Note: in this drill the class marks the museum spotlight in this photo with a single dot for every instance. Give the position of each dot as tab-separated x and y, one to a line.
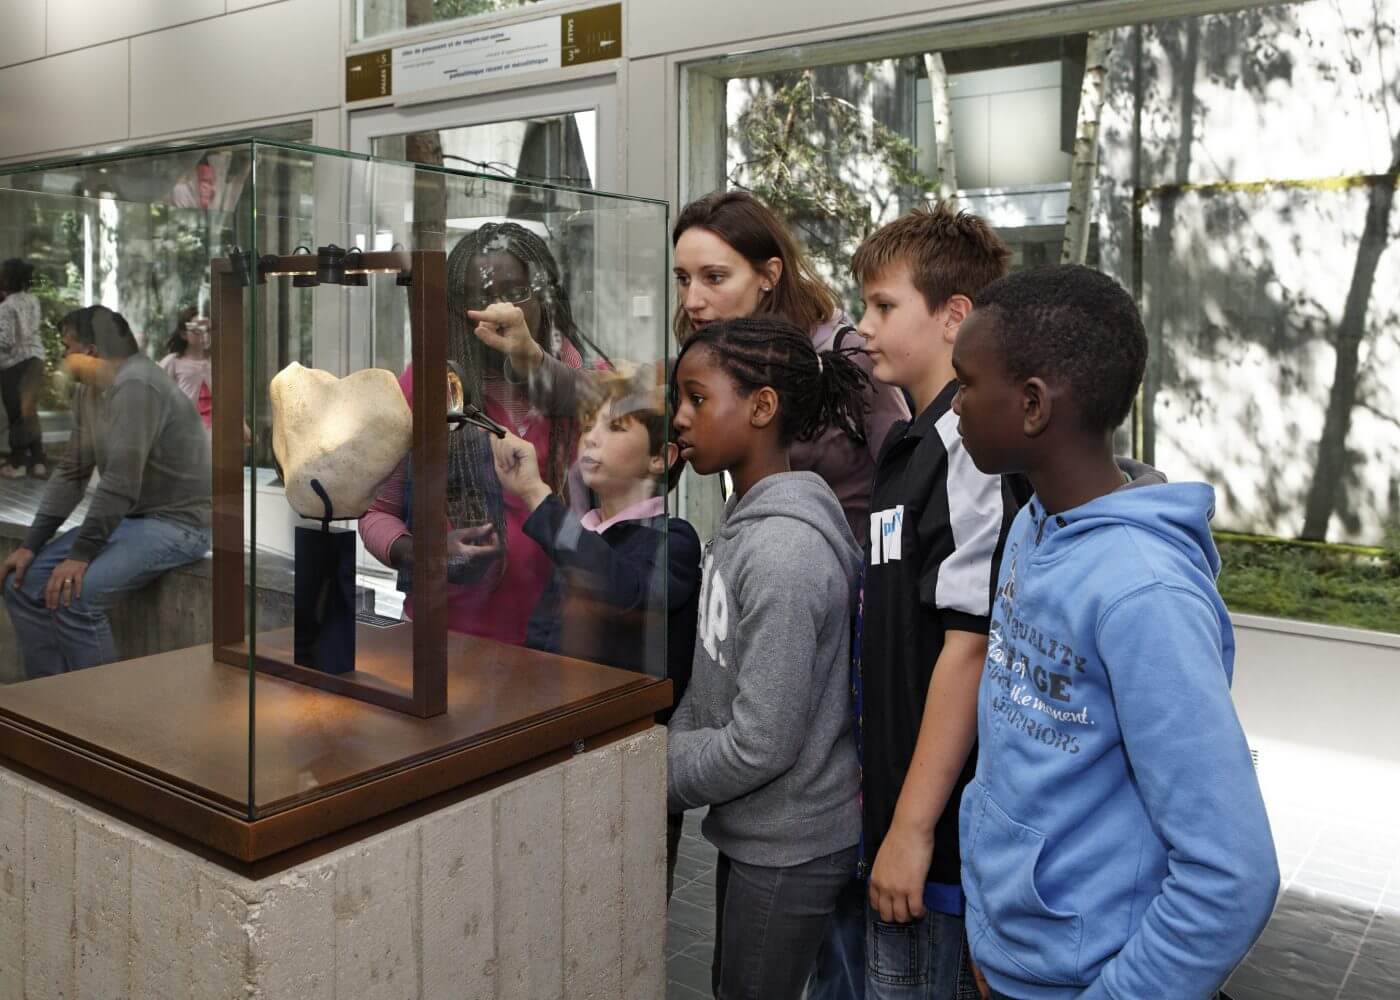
330	264
308	278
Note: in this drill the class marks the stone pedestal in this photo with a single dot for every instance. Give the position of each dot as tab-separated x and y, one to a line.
552	886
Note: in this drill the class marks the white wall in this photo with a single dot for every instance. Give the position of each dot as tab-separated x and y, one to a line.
79	75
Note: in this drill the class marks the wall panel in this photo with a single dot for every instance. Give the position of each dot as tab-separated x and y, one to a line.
23	37
269	61
77	99
76	24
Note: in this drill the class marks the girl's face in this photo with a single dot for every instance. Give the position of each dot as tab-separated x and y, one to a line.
500	277
713	421
614	454
197	333
713	281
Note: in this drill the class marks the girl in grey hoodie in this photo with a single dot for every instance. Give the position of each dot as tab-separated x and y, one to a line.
763	735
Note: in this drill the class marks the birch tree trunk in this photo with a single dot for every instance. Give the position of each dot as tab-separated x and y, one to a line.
1330	471
947	173
1075	249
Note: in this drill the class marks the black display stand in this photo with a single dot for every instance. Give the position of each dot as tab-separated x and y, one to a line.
325	600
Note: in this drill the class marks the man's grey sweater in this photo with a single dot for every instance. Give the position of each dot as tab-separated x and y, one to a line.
151	452
763	735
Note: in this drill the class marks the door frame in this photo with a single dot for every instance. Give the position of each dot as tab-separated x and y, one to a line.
597	94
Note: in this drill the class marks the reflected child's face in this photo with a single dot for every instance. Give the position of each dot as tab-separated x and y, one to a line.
615	454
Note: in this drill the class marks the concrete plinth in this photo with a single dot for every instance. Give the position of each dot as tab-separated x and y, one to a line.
552	886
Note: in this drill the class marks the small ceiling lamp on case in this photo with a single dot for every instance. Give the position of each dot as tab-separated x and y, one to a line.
405	278
309	277
354	272
330	264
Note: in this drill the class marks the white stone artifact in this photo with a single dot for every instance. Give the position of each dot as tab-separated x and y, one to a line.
348	433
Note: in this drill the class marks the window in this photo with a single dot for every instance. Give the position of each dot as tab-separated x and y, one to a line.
1240	174
382	17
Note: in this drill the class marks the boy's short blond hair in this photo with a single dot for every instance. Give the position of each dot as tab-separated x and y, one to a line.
948	252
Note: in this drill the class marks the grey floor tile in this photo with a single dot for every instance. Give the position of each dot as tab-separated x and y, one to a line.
1385	926
1378	959
688	869
689	972
696	850
680	938
1301	976
700	892
1341	927
679	991
697	918
1245	990
1359	988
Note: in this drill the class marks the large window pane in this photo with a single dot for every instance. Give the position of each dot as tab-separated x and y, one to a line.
1241	184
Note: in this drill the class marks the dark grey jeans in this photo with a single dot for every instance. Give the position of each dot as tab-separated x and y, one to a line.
769	923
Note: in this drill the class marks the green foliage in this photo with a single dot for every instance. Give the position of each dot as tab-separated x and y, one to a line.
55	302
803	149
446	10
1332	584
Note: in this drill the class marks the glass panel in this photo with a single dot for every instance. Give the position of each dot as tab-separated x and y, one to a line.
380	17
108	301
314	305
557	149
578	281
1239	174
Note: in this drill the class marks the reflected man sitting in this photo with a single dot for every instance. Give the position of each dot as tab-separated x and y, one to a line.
148	514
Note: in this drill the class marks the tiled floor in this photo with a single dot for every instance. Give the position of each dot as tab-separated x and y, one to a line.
1334	935
690	924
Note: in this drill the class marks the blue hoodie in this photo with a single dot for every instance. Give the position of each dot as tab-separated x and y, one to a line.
1114	842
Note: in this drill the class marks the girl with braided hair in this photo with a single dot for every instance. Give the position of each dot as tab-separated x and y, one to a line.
763	733
734	257
511	334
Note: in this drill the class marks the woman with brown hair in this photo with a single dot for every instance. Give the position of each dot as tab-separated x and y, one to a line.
734	258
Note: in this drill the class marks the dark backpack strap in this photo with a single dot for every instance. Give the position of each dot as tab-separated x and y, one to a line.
841	335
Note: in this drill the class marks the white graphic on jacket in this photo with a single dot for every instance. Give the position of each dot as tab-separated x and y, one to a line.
1030	685
886	535
714	611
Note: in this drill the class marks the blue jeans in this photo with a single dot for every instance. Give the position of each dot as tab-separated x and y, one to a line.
862	957
768	924
79	636
840	968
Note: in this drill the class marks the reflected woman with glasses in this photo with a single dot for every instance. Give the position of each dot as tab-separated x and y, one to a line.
513	341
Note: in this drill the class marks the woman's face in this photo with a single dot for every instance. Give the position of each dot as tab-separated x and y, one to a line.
714	282
499	276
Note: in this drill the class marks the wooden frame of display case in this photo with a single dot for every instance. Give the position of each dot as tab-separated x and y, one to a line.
423	642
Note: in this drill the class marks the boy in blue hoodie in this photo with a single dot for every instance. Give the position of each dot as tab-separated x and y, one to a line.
1114	841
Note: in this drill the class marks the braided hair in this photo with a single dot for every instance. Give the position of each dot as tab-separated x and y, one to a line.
556	327
815	390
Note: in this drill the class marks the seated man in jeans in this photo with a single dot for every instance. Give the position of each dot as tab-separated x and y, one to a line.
150	512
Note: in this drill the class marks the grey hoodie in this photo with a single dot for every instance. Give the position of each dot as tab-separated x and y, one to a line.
763	735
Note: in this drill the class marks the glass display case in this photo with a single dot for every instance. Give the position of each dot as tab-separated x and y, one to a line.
324	434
